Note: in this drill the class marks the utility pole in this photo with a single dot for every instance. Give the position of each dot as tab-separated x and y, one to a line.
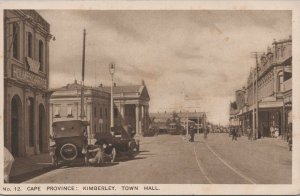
255	98
111	71
82	115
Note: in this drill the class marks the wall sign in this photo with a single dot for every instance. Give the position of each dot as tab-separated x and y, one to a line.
29	78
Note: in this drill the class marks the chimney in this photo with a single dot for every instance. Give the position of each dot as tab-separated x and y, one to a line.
101	85
115	84
143	83
75	82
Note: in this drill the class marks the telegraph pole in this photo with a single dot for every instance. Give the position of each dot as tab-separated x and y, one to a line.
255	98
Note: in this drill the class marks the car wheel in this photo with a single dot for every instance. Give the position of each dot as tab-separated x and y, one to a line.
68	152
130	154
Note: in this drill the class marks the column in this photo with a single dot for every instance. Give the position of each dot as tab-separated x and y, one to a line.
36	124
137	118
143	119
147	118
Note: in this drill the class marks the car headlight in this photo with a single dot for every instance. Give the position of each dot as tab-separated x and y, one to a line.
104	145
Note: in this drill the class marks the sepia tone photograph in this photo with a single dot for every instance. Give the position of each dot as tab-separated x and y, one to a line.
154	97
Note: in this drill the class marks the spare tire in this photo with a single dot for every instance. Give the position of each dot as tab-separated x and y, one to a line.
68	152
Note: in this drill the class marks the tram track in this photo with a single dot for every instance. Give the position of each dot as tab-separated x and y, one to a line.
207	174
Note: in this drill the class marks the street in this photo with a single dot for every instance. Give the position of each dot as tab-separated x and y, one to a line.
171	159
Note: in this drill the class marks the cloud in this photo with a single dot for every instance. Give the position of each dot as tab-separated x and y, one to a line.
204	54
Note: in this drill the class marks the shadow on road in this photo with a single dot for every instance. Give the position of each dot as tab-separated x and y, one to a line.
27	176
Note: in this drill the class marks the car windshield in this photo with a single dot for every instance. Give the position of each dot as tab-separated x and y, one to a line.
68	128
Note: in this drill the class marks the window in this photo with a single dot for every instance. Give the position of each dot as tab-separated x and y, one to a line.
57	111
41	54
29	44
280	82
100	113
116	112
69	111
16	41
95	112
106	115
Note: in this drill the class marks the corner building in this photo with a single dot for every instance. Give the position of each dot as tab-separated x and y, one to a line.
26	82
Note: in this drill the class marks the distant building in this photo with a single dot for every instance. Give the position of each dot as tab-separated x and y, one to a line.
131	106
199	119
26	81
65	104
273	95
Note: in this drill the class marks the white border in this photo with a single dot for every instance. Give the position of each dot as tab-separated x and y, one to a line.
178	189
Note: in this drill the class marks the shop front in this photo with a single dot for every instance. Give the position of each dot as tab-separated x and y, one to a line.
270	119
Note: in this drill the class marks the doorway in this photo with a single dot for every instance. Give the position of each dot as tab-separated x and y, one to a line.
16	107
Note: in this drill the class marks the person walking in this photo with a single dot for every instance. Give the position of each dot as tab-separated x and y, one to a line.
290	136
205	132
192	134
249	132
234	134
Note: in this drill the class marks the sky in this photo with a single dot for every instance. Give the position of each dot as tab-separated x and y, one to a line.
189	59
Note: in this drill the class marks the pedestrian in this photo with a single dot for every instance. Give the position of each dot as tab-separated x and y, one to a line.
8	162
192	134
234	133
99	157
249	132
272	131
290	136
205	132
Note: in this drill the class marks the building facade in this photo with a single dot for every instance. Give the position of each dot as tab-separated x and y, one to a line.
65	104
131	106
26	82
198	119
268	92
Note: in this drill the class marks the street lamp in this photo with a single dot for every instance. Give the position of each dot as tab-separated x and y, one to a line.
111	71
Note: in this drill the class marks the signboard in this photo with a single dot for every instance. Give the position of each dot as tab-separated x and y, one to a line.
29	78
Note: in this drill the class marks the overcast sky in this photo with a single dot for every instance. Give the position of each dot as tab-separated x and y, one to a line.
204	55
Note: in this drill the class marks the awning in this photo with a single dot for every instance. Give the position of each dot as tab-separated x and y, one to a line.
270	104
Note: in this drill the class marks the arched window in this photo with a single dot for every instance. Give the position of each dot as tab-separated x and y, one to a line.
41	54
15	41
280	82
29	45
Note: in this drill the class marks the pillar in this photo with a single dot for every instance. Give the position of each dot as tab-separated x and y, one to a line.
137	118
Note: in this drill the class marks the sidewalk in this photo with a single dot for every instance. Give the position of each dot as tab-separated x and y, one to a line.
26	167
269	140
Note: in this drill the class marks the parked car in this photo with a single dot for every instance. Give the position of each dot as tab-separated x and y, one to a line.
69	140
119	142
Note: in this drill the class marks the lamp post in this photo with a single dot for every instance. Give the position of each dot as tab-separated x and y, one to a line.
111	71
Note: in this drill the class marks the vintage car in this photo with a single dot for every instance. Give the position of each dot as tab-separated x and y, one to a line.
119	142
69	141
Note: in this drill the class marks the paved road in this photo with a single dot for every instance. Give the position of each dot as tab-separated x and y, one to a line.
173	160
